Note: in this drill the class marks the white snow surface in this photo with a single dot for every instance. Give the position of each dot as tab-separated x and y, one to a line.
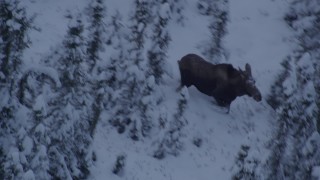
316	172
257	35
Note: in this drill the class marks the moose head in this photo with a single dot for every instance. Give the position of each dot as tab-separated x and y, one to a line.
249	82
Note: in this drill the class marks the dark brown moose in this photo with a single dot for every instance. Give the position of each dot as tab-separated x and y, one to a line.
221	81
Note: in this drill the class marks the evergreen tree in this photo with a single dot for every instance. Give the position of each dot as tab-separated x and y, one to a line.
136	69
297	139
35	87
96	41
317	89
140	19
177	8
170	141
39	163
160	41
277	97
213	49
97	28
69	116
116	40
304	19
115	74
296	126
14	25
246	165
134	81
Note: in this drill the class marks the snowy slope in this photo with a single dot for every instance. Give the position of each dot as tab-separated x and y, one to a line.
50	23
256	34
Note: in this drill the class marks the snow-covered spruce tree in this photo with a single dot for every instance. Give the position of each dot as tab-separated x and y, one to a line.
140	19
177	8
171	142
246	165
152	107
131	97
276	100
297	139
293	97
304	19
2	161
136	83
69	115
35	87
96	11
296	127
317	89
35	145
113	76
160	39
277	97
306	23
14	25
119	165
217	11
314	142
117	41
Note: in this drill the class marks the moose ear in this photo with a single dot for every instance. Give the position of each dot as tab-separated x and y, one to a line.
248	69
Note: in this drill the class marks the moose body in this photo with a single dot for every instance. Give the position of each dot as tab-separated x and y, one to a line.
221	81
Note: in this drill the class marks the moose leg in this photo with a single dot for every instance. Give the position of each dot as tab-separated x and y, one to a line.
221	107
186	79
223	104
228	109
226	105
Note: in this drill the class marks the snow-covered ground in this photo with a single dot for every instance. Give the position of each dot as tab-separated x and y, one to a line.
50	22
257	34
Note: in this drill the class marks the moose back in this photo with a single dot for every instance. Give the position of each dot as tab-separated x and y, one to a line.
221	81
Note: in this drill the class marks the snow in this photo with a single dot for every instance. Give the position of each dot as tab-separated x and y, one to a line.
165	11
40	129
27	145
2	76
305	63
290	86
141	27
50	22
40	104
29	175
15	157
316	172
256	35
13	25
305	22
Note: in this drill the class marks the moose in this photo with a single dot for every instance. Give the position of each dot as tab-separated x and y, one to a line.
221	81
